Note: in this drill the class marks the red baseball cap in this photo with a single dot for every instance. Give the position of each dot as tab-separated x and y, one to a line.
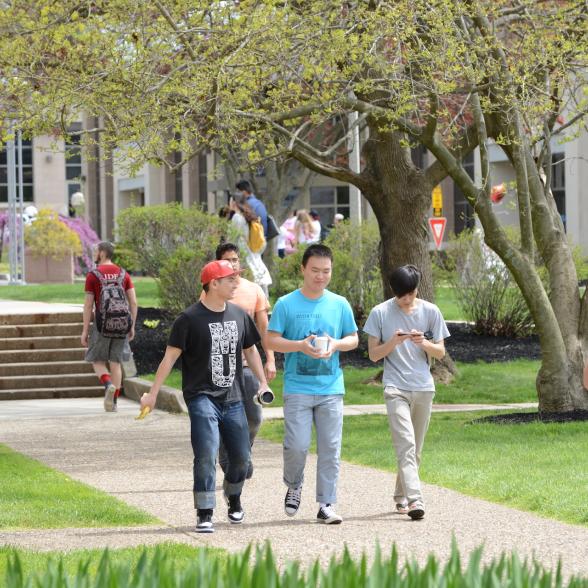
215	270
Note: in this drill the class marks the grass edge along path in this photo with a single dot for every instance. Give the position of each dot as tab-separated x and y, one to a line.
35	496
258	569
146	289
528	467
476	383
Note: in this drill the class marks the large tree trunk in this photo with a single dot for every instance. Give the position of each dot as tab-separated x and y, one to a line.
400	195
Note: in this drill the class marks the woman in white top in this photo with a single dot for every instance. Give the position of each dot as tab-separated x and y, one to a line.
304	230
241	217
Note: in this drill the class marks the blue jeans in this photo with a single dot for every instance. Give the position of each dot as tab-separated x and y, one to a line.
326	412
210	421
253	412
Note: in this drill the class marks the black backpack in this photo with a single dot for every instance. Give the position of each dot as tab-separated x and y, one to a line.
114	318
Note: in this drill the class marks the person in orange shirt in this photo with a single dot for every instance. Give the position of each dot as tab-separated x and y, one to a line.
251	298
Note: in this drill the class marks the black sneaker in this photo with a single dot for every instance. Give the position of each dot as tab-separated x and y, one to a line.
236	513
204	520
416	510
327	515
292	501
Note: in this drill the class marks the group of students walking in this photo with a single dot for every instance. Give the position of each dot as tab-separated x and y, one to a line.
223	376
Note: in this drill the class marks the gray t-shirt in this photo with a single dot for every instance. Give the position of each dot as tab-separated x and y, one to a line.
407	367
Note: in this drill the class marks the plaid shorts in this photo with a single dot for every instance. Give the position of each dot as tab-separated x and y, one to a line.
102	348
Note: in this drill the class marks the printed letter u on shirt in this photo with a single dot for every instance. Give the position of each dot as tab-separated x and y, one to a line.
225	337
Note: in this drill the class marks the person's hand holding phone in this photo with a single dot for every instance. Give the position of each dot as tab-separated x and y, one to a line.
400	337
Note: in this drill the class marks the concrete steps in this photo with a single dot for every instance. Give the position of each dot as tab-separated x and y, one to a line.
33	394
44	355
48	381
26	343
40	318
41	356
51	330
48	368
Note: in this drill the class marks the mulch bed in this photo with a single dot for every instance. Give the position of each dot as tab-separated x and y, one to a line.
517	418
464	345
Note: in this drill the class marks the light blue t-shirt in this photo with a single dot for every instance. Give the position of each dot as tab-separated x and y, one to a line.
296	317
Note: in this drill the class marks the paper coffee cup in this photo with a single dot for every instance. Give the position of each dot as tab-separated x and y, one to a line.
322	343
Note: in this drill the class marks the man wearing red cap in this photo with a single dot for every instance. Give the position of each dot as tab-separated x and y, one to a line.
211	337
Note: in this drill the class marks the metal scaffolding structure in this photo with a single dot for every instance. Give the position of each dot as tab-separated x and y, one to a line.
16	248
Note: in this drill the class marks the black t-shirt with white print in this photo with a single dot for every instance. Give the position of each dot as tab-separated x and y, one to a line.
212	345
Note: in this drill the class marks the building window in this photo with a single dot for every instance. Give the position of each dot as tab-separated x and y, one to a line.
329	200
27	173
558	184
73	165
463	212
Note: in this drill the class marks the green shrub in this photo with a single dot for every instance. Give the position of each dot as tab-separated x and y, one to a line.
484	288
238	570
485	291
179	279
49	236
287	276
154	233
356	267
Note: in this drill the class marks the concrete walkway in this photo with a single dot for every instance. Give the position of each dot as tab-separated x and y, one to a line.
83	407
148	464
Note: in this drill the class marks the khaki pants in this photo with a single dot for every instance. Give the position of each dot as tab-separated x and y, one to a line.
408	416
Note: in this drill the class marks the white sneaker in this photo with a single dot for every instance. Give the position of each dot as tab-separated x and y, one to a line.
292	501
416	510
109	390
327	515
204	521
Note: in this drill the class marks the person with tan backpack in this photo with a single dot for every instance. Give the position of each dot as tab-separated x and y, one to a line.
251	241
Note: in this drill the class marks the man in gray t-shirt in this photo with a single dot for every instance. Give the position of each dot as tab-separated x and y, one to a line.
407	332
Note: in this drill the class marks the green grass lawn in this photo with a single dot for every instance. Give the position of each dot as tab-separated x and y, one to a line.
146	289
541	468
34	496
490	383
447	303
34	562
148	296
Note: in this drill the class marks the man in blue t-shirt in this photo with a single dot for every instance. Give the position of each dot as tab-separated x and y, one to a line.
256	205
311	326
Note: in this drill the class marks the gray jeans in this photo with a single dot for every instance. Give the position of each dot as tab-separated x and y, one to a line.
409	414
326	411
254	414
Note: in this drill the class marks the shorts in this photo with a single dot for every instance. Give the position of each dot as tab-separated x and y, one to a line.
102	348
